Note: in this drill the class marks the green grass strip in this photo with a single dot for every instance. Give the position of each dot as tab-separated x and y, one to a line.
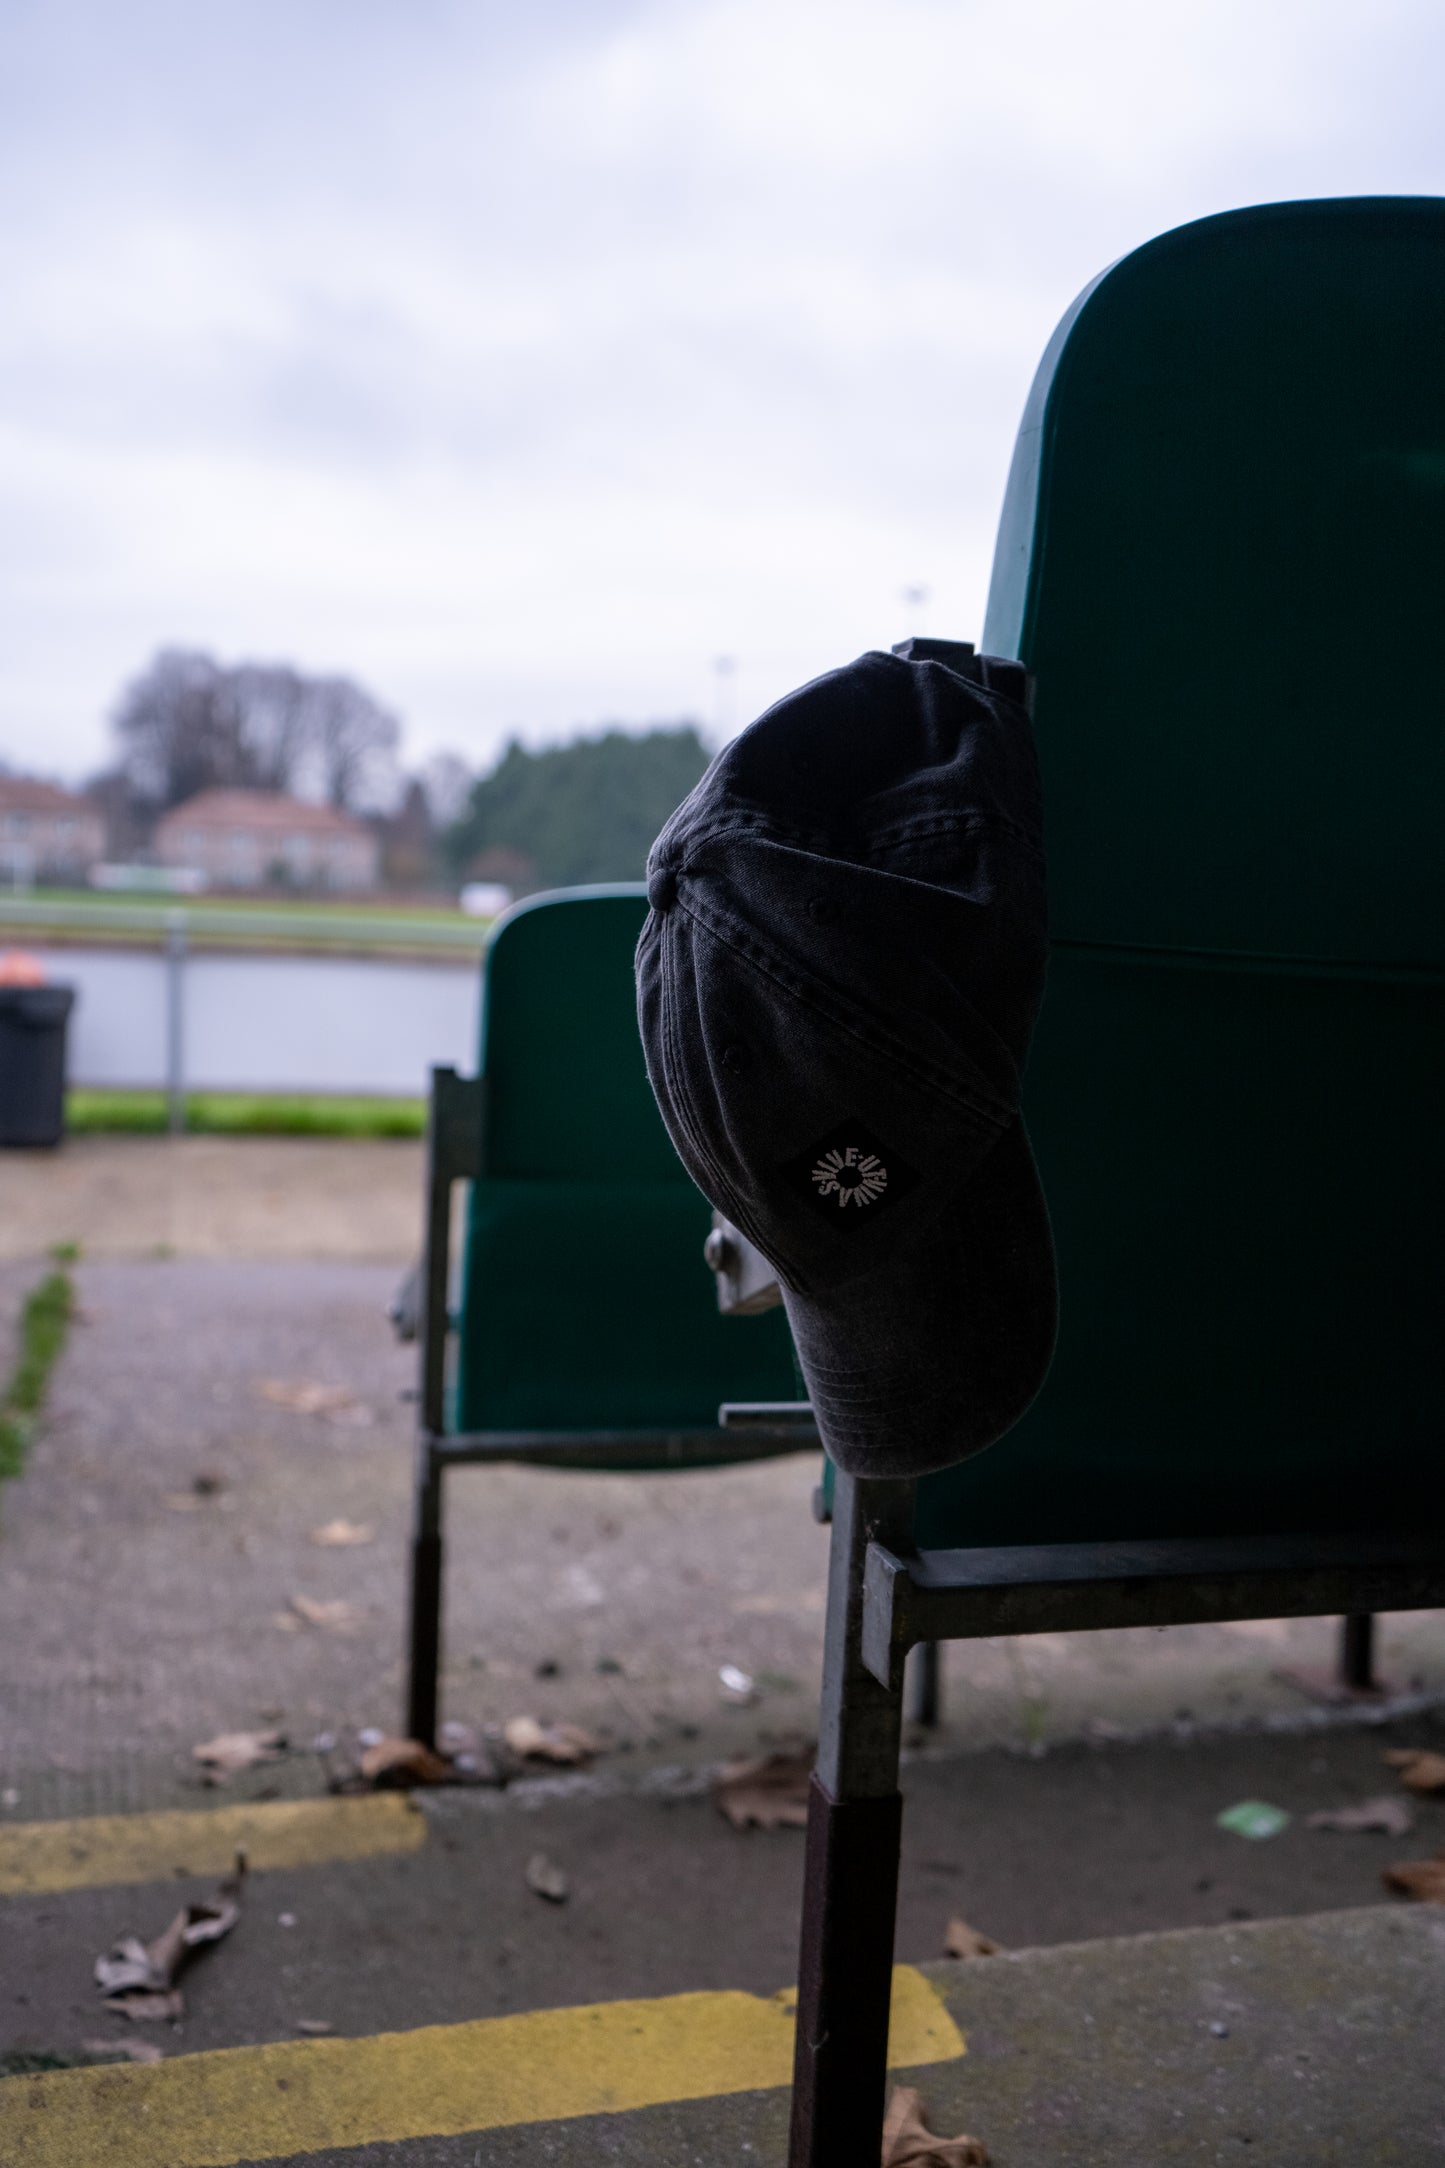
245	1114
44	1323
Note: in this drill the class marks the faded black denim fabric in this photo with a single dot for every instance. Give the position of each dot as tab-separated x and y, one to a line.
837	983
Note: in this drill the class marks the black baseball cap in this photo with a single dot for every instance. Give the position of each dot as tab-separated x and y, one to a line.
837	983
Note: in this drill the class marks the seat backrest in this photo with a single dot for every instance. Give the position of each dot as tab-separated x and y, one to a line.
1222	555
586	1303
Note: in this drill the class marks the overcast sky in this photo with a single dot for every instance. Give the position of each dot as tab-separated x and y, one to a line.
521	361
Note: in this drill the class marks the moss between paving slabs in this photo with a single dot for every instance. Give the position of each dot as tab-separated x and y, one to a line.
44	1324
239	1114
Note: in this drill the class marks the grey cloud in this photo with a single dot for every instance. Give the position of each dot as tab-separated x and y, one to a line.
519	360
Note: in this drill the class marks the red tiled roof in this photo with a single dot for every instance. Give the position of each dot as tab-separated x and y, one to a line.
267	812
23	794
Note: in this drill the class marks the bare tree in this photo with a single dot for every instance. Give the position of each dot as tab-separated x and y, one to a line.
447	781
178	730
273	720
189	724
353	741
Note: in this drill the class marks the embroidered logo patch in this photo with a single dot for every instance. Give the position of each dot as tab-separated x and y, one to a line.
849	1176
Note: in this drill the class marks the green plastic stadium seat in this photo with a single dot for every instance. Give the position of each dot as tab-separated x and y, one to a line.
588	1333
1222	557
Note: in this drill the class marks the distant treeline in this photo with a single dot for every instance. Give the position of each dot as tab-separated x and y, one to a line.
581	812
585	811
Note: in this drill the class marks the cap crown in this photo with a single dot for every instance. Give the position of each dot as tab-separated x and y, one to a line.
843	963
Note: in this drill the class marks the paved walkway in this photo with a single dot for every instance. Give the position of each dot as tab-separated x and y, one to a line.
1309	2043
375	1914
282	1197
159	1584
160	1574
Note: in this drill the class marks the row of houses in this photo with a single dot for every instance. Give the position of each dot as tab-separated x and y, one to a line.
230	838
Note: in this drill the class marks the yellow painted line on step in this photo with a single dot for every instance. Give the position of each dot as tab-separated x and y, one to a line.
38	1857
541	2066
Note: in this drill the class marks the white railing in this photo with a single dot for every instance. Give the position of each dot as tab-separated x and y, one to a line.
198	998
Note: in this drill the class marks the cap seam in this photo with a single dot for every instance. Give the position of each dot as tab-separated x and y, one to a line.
903	831
874	1037
682	1099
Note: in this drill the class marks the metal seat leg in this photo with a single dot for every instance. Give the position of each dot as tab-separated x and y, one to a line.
850	1891
923	1684
1357	1653
424	1663
454	1152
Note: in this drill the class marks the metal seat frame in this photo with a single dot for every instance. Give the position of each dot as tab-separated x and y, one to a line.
1121	557
885	1598
453	1154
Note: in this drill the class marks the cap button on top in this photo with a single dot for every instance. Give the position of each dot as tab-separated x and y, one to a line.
662	887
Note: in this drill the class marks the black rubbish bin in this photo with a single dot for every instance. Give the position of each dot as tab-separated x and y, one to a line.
33	1021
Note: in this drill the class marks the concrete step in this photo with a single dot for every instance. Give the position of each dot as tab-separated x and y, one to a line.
1303	2043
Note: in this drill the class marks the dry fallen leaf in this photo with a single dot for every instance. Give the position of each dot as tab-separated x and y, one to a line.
403	1761
567	1743
1419	1769
334	1535
333	1611
546	1878
139	1978
306	1397
135	2051
229	1751
962	1940
144	2007
909	2143
1420	1878
768	1791
1392	1816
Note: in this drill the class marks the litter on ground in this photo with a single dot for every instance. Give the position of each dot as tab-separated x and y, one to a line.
567	1744
231	1751
341	1534
909	2143
766	1791
961	1940
547	1878
1254	1818
139	1978
132	2051
390	1761
1420	1770
306	1397
333	1613
1423	1879
1391	1816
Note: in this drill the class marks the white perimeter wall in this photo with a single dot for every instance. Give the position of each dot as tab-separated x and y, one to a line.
268	1023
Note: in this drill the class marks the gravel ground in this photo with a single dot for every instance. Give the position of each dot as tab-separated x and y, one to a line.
295	1197
665	1897
1072	1791
140	1614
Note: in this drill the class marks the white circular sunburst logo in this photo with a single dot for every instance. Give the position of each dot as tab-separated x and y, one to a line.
850	1175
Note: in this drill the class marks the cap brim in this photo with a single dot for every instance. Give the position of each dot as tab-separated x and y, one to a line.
917	1366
